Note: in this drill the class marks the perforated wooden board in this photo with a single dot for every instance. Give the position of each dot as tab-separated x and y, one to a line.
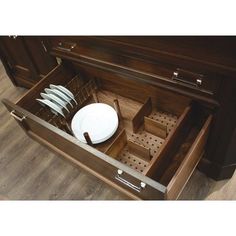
131	160
165	118
147	140
144	139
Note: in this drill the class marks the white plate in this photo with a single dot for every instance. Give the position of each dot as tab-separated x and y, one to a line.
59	94
98	119
64	90
55	100
54	108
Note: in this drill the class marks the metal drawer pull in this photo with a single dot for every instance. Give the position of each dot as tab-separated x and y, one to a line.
197	83
66	49
16	116
127	183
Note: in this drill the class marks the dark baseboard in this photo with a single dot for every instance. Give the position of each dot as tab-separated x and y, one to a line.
216	171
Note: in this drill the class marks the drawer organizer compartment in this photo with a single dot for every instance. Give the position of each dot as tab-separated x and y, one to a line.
158	142
135	155
136	149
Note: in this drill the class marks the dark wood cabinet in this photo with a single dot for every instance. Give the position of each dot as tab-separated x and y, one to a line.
155	60
25	59
189	78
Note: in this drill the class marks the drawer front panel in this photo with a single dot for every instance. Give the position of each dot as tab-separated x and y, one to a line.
156	65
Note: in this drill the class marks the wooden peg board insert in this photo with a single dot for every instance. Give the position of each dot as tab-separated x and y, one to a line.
165	118
144	139
148	140
131	160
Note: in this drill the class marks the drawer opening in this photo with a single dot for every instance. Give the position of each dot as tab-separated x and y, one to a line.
144	123
147	124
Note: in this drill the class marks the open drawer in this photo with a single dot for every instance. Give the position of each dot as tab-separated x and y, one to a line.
159	141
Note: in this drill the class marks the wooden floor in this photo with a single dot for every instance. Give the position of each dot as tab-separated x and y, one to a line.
30	171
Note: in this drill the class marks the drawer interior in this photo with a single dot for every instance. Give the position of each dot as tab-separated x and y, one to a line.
156	128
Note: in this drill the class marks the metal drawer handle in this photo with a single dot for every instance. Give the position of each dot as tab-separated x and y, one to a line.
13	114
127	183
198	82
66	49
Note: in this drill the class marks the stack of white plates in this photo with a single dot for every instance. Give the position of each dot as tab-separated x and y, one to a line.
56	98
99	120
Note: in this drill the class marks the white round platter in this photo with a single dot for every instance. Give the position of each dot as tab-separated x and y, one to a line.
99	120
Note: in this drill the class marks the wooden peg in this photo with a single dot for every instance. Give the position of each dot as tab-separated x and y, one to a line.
87	138
95	97
117	108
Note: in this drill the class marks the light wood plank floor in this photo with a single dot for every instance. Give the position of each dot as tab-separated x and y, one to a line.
29	171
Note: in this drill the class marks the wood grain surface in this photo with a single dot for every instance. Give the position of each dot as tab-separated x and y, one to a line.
29	171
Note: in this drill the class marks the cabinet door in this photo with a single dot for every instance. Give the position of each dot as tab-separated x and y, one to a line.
15	57
39	55
25	59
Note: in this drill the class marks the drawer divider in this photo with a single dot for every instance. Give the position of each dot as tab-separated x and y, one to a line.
189	163
160	161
